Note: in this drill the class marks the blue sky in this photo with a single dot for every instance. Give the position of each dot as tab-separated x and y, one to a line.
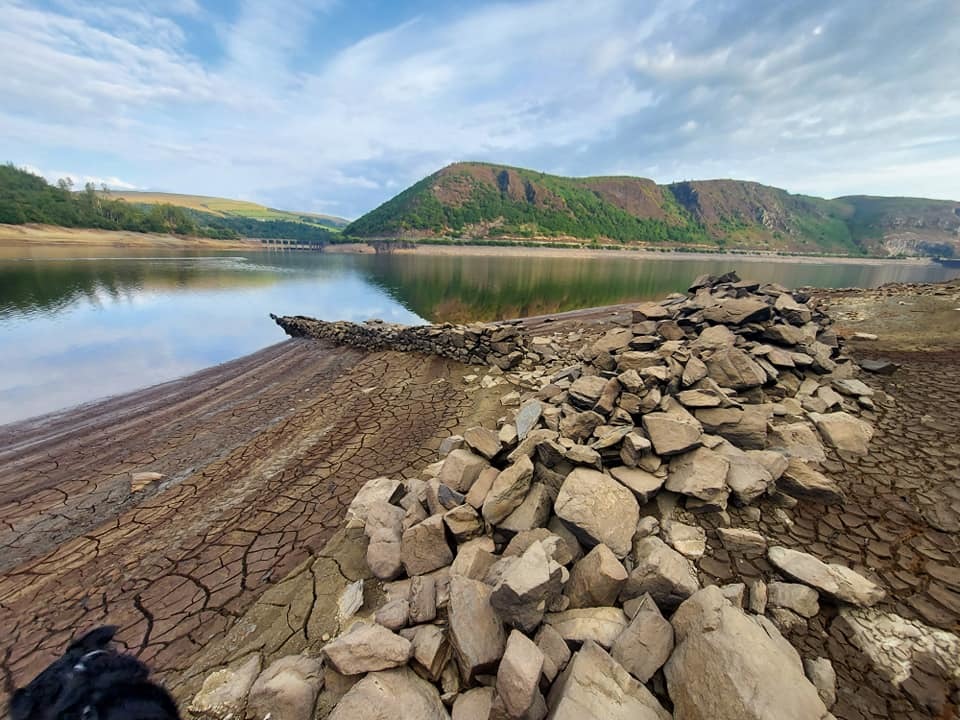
336	105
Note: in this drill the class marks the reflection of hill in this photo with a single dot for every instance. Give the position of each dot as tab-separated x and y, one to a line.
488	288
27	286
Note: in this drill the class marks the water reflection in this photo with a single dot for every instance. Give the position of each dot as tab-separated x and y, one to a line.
75	326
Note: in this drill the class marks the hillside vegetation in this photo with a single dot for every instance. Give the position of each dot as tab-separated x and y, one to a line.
223	207
27	198
483	201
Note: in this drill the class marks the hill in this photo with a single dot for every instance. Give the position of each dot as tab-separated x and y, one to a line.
222	207
484	201
27	198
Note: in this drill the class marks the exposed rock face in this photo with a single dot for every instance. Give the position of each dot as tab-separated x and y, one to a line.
728	666
834	580
598	509
594	685
367	648
392	695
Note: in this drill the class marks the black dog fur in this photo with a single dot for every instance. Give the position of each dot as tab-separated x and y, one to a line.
92	681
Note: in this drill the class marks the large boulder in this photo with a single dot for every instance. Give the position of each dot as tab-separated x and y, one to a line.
662	572
476	632
596	687
424	547
367	648
702	474
646	643
843	431
461	468
834	580
672	432
596	579
518	675
601	625
737	311
802	481
526	586
733	368
745	427
598	509
728	666
508	490
392	695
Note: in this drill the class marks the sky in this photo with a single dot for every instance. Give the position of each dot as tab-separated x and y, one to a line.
334	106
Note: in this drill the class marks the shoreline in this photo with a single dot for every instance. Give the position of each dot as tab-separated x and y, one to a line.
523	251
40	236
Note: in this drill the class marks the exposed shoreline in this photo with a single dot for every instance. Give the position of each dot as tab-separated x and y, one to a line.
523	251
21	236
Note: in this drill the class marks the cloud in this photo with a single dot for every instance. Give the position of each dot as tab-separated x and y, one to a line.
290	109
79	179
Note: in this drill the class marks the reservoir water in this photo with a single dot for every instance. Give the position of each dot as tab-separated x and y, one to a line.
77	324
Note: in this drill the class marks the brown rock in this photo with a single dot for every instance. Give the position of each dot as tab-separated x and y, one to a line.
645	645
518	675
424	547
367	648
596	579
476	632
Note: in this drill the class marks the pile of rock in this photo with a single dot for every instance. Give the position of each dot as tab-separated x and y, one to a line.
549	566
500	345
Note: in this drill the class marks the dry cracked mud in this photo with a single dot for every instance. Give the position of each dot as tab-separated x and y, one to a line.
261	456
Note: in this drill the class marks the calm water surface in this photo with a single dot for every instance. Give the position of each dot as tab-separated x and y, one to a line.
80	324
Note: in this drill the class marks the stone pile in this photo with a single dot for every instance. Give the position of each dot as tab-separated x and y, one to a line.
499	345
549	567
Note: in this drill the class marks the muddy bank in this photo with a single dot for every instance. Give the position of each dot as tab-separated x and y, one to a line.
19	236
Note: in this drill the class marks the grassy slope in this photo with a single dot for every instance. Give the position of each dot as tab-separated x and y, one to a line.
480	200
223	207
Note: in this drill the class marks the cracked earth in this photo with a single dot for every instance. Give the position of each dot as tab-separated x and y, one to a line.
260	459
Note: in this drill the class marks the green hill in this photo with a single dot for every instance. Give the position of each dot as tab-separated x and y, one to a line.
222	207
484	201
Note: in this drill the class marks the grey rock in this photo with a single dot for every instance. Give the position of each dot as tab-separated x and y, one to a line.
532	513
801	599
424	547
758	597
448	445
852	387
672	432
688	540
392	695
834	580
598	509
731	367
460	470
476	631
367	648
508	490
802	481
556	652
734	593
602	625
662	572
753	672
381	489
394	615
821	673
843	431
596	579
743	541
224	692
526	586
646	643
287	689
527	417
594	685
702	474
518	675
474	704
483	442
642	484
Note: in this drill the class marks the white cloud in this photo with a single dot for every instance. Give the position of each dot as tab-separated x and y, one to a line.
80	179
791	95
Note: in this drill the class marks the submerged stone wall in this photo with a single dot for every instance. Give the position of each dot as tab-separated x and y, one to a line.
489	344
